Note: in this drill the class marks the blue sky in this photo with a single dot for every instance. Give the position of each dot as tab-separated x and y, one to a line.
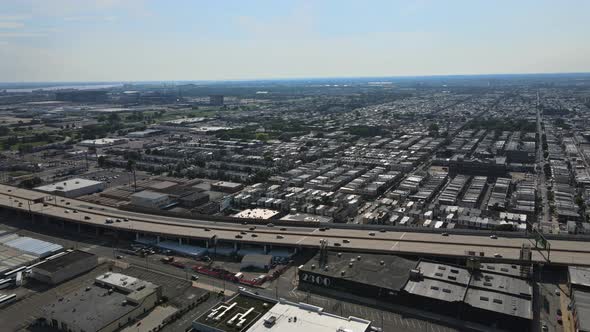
126	40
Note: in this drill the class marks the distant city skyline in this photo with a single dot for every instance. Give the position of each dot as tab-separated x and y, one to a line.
137	40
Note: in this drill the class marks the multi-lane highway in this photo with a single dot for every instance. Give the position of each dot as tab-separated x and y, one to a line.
426	244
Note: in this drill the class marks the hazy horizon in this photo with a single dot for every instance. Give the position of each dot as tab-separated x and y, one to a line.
143	40
316	78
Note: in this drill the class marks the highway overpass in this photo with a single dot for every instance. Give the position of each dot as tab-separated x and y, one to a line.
563	252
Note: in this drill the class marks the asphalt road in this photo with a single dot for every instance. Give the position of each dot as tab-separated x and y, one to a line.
563	252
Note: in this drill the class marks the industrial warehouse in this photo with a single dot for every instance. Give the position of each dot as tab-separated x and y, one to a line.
500	295
249	312
112	301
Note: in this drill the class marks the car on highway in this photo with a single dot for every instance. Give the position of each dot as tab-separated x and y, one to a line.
270	225
206	229
336	244
497	255
280	237
87	218
239	236
371	234
109	220
254	235
283	229
125	219
345	241
252	228
445	234
494	236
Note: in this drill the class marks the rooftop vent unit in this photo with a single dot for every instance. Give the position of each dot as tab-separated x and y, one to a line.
381	263
312	266
241	318
349	264
342	273
358	258
270	321
415	274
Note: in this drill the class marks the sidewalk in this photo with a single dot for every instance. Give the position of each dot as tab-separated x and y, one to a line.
568	321
153	320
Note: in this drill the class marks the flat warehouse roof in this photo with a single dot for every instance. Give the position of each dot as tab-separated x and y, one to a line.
502	303
64	260
392	274
294	317
89	309
68	185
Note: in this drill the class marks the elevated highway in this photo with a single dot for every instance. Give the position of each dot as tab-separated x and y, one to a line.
563	252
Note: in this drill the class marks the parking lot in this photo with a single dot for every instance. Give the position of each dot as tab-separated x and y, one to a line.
112	178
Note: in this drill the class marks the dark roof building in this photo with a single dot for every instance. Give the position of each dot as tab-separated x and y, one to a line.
490	294
65	267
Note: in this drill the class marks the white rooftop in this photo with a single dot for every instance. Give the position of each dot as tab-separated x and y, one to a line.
297	317
101	141
68	185
256	213
123	282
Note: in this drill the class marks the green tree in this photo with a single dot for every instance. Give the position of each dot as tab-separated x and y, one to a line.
262	137
31	183
4	130
25	148
580	201
101	161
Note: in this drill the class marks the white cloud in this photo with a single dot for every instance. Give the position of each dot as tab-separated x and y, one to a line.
11	25
14	17
21	34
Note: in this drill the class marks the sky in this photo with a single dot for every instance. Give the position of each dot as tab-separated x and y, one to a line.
153	40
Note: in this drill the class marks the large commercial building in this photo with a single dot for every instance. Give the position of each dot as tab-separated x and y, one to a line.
102	142
65	267
248	312
491	294
150	199
73	188
113	301
18	251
